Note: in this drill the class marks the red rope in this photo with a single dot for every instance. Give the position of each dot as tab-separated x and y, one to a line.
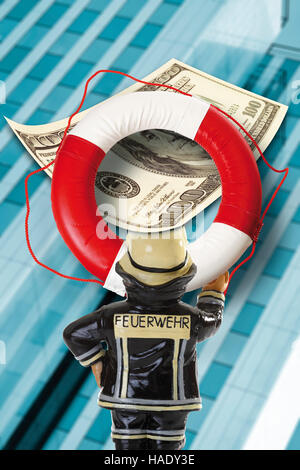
51	163
28	240
286	170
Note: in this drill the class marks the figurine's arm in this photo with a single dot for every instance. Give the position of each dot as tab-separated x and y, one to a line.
210	303
83	338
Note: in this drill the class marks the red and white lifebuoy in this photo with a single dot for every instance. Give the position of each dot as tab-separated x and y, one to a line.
73	197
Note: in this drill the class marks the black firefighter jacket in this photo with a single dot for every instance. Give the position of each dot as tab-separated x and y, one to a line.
147	344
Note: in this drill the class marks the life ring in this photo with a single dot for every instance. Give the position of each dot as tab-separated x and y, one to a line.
73	198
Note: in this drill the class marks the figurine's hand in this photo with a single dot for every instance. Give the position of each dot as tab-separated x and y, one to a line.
97	371
220	284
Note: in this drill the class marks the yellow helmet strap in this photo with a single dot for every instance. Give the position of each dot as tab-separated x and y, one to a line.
157	270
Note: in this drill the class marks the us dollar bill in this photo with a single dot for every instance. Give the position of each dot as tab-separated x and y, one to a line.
157	180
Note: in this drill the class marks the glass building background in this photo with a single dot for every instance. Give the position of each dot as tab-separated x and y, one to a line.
248	372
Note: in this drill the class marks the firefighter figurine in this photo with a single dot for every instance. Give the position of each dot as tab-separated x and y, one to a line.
142	350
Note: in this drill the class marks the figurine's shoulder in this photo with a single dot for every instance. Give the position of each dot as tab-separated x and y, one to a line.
188	309
105	314
110	309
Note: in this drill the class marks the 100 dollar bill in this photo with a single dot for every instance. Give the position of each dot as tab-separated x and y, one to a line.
156	180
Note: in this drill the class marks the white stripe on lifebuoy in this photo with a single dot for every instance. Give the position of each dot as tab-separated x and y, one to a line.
124	115
76	164
113	281
220	246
